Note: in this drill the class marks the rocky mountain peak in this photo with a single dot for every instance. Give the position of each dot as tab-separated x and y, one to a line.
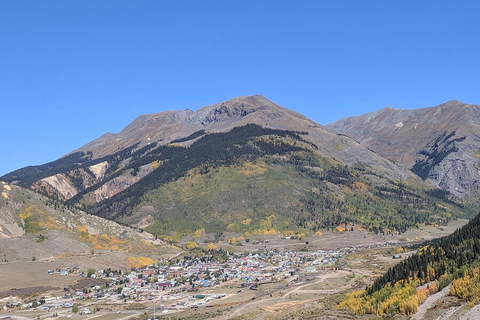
233	108
168	126
165	127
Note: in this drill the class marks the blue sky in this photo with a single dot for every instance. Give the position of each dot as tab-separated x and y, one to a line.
73	70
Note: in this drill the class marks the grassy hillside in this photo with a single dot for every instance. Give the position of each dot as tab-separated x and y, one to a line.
32	225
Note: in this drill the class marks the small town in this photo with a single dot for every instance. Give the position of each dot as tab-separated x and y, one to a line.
182	283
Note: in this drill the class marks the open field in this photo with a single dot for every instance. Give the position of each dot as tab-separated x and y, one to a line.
22	274
329	240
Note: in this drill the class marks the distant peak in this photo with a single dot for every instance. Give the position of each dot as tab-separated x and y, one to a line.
107	135
388	108
254	99
251	97
451	103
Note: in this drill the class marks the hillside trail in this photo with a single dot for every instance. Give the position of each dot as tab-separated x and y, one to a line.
430	302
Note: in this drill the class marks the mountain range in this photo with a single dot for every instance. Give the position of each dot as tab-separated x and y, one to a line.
249	165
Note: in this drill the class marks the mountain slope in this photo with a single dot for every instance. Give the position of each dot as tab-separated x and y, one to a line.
253	179
150	131
440	144
33	225
153	172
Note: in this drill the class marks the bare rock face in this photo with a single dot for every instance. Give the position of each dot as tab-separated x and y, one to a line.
59	182
116	185
440	144
9	224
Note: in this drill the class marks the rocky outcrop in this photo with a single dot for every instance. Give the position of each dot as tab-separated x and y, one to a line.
116	185
10	226
99	169
64	188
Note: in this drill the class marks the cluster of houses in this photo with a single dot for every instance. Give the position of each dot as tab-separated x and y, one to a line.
182	283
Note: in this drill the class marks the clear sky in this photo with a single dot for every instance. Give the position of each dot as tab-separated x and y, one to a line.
72	70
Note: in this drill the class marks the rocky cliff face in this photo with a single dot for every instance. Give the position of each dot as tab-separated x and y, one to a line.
440	144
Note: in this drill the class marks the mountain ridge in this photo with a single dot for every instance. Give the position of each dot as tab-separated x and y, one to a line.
212	118
165	127
224	116
440	144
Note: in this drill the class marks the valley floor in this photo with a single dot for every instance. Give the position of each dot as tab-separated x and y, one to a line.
310	294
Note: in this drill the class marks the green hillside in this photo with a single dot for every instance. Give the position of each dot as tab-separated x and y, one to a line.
257	180
247	180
